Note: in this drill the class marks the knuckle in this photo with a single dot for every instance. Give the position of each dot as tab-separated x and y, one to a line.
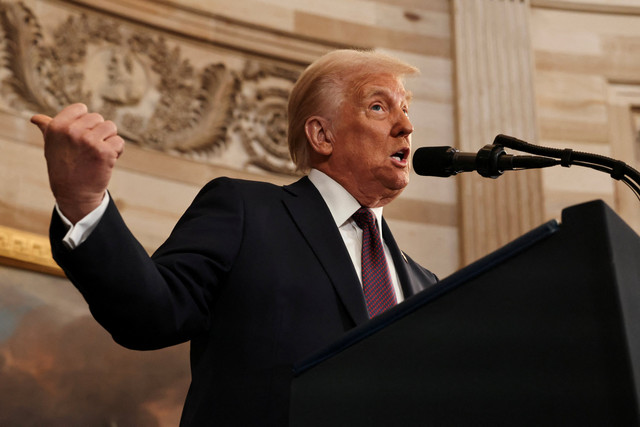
116	144
78	106
85	136
56	127
110	127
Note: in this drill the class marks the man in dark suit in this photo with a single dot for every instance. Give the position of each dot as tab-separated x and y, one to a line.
254	275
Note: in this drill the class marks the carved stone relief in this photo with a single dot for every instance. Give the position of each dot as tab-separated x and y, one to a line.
260	119
227	110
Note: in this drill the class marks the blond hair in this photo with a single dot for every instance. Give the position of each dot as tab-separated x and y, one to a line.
322	86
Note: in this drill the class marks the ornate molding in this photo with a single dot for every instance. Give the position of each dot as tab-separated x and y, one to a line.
210	23
627	7
27	250
260	121
151	87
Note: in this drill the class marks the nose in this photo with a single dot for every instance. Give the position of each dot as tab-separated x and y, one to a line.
402	125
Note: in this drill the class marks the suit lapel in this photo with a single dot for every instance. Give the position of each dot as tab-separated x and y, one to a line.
314	220
409	283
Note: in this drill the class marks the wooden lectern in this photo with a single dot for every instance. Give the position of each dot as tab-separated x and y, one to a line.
545	331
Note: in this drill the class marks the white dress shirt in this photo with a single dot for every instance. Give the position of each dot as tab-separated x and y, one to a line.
342	206
78	233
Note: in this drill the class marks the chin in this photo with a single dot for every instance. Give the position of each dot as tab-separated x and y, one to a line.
392	185
401	182
397	187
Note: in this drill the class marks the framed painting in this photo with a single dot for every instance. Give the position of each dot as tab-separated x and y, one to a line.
58	367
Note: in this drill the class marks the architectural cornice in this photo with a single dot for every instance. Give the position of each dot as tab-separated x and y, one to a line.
199	21
627	7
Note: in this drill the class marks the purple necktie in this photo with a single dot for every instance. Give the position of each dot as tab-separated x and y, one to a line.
376	280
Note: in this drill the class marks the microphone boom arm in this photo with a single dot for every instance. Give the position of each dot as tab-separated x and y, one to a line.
617	169
492	161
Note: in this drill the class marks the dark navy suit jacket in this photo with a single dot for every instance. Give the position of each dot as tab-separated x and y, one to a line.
256	276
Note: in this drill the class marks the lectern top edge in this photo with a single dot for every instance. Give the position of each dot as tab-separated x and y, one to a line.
414	303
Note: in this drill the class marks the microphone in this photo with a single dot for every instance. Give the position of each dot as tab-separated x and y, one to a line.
490	162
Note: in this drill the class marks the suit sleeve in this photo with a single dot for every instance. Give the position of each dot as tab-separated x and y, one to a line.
153	302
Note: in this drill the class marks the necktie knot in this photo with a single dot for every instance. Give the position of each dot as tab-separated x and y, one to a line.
364	218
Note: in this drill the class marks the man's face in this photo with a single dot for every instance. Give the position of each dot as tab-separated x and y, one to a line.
372	145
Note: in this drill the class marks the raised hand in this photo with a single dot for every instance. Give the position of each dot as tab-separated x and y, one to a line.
81	149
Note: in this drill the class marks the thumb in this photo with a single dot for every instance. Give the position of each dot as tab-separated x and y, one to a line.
42	121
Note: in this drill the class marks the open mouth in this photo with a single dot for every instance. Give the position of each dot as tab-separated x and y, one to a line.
401	155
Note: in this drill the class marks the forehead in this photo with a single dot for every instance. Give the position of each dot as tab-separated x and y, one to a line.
373	85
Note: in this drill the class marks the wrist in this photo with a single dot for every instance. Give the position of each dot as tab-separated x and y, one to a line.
77	208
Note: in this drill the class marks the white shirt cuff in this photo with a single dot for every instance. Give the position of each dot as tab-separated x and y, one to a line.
78	233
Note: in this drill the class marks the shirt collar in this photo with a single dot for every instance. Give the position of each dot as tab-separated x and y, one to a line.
340	202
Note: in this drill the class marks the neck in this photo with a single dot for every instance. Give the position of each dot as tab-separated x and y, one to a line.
374	202
368	195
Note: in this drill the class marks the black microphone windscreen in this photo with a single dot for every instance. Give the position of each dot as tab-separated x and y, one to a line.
433	161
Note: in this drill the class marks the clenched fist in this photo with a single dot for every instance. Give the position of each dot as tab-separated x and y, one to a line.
81	149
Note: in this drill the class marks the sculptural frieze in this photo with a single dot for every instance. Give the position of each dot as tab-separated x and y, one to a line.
148	84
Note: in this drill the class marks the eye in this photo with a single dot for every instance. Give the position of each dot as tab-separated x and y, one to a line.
405	110
376	107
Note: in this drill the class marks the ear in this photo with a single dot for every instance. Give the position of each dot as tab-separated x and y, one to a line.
319	135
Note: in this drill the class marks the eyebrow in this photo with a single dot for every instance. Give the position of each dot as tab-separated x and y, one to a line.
380	90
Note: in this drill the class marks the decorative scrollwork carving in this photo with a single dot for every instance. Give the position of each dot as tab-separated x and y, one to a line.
23	58
261	117
146	85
